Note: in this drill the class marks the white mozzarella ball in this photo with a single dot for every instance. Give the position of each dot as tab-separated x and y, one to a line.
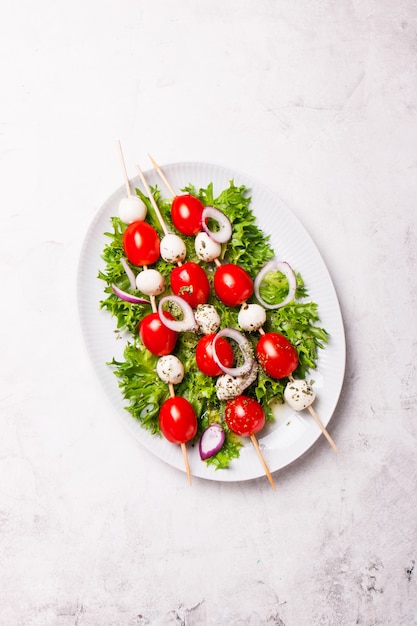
228	387
299	394
207	318
206	248
132	209
170	369
172	248
251	317
151	282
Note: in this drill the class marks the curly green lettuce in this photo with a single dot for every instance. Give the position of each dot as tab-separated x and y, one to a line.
249	247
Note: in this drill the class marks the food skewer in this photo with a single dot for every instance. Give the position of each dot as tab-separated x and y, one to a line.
245	417
167	234
173	249
217	262
132	211
171	371
300	395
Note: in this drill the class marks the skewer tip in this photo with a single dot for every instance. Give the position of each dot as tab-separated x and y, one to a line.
261	456
152	160
162	175
322	428
122	161
186	463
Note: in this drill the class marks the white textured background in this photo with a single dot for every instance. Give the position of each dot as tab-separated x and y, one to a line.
318	100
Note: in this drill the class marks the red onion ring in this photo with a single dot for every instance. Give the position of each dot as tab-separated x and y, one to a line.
129	273
245	347
187	323
284	268
225	232
128	297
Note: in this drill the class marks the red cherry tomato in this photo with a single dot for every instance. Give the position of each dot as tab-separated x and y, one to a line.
276	355
244	416
141	243
186	213
191	283
232	284
156	337
177	420
204	355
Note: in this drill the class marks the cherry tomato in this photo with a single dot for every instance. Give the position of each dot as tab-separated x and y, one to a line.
232	284
244	416
141	243
204	355
156	337
191	283
186	213
177	420
276	355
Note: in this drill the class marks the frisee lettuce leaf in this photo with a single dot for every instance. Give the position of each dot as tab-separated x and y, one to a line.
249	247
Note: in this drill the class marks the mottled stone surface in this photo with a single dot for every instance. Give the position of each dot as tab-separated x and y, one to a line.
318	100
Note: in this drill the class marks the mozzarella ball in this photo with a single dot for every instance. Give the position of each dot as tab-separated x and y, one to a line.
251	317
170	369
132	209
299	394
206	248
172	248
207	318
228	387
151	282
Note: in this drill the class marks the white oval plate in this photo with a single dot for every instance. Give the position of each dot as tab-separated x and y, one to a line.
291	434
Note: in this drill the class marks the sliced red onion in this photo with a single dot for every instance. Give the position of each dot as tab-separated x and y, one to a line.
211	441
129	272
225	227
245	347
128	297
188	320
284	268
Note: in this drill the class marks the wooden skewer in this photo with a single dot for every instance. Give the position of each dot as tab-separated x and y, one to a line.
153	201
126	177
162	175
322	428
187	465
261	456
